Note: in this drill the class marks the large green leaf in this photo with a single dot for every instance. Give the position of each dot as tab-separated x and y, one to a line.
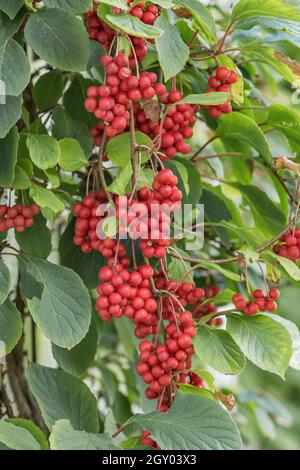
10	327
77	360
263	340
57	299
218	350
295	337
46	198
86	265
288	265
11	7
281	14
204	20
10	112
64	437
62	396
134	26
242	127
192	423
34	430
119	148
16	437
8	157
65	126
173	53
215	210
286	120
4	282
266	214
286	67
9	27
71	156
48	89
58	37
36	240
44	150
14	67
119	184
76	6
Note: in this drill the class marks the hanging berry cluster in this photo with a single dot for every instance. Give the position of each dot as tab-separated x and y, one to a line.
258	303
112	101
176	126
289	245
221	82
19	217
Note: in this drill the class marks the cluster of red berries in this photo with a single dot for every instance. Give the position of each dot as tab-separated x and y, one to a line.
207	306
259	303
147	14
87	220
19	217
165	365
125	292
161	202
176	127
101	32
147	441
221	82
289	245
112	101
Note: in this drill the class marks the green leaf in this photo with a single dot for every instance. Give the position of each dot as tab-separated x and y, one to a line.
216	210
71	256
76	6
14	67
33	429
66	126
119	184
16	437
10	112
266	343
59	302
204	99
11	327
188	389
119	148
189	179
77	360
285	120
46	199
21	179
62	396
204	20
8	156
134	26
289	266
117	3
11	7
36	240
286	67
266	214
173	53
48	89
226	272
43	149
242	127
295	338
218	350
71	155
9	27
192	423
177	269
282	14
4	282
64	437
58	37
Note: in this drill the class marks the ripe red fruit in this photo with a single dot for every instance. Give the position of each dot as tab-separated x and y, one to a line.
223	74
